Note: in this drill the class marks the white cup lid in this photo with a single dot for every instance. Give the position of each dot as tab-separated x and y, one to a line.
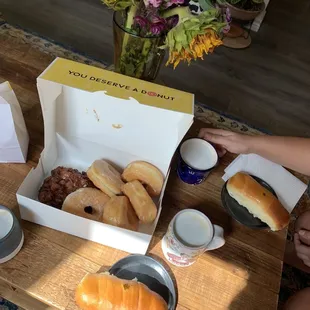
6	222
198	154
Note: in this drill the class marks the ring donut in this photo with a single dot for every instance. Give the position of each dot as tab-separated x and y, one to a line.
141	201
105	177
86	202
147	174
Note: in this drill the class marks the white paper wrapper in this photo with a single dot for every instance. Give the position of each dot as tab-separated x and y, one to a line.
14	137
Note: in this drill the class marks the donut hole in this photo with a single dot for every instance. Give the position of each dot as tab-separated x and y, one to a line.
89	210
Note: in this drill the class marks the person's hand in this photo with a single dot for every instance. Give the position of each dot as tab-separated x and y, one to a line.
225	140
302	245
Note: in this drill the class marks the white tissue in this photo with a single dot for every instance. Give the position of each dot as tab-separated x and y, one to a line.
14	137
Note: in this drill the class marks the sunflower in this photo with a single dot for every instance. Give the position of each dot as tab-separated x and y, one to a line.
201	44
194	36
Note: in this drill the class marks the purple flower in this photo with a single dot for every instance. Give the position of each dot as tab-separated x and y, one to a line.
158	19
172	21
226	28
172	2
228	20
154	3
228	16
141	21
177	1
157	28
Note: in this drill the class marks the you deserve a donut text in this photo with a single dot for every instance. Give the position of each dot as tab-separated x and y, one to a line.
121	86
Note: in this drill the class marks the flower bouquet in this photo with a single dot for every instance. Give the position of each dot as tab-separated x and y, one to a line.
143	29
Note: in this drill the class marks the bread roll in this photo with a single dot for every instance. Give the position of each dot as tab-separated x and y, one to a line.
107	292
118	211
258	200
147	174
141	201
105	177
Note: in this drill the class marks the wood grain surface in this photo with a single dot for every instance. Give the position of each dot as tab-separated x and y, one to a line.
244	274
21	299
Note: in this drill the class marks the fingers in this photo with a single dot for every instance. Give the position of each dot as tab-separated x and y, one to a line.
220	150
213	138
214	131
217	137
304	236
303	222
302	251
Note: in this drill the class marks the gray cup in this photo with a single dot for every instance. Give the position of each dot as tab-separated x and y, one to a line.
11	235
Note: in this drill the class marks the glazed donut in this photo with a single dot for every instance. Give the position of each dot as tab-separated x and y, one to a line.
145	173
118	211
141	201
105	177
86	202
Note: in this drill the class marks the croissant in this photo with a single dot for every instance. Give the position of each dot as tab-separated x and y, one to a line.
106	292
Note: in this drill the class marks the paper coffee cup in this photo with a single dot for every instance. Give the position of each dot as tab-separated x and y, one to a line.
11	235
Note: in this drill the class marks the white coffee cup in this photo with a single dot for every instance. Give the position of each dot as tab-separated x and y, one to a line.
11	235
197	158
190	233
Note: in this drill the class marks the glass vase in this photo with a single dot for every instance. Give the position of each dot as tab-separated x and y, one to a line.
136	56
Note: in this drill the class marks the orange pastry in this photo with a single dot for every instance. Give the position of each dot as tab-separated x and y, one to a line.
118	211
141	201
106	292
147	174
105	177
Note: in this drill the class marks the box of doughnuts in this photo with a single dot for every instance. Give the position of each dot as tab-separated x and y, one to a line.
108	143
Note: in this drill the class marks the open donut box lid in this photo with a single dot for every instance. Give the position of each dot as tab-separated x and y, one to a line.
91	113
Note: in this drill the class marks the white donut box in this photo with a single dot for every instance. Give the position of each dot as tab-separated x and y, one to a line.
91	113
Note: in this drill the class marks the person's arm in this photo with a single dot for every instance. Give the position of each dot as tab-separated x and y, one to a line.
291	152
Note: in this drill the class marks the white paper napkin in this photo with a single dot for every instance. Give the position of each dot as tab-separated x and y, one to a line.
288	188
14	137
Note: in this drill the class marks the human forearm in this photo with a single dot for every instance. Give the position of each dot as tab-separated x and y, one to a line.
291	152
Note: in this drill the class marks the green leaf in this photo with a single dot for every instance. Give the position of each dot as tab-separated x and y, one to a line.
178	46
206	4
180	35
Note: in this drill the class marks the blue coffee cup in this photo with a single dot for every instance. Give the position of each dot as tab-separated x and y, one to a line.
11	235
197	158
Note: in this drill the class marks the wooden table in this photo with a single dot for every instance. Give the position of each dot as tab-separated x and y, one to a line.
244	274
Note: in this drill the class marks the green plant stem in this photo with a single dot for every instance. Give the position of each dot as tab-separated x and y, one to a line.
182	12
145	51
128	24
130	16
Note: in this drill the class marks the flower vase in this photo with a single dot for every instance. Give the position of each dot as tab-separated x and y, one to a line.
135	56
